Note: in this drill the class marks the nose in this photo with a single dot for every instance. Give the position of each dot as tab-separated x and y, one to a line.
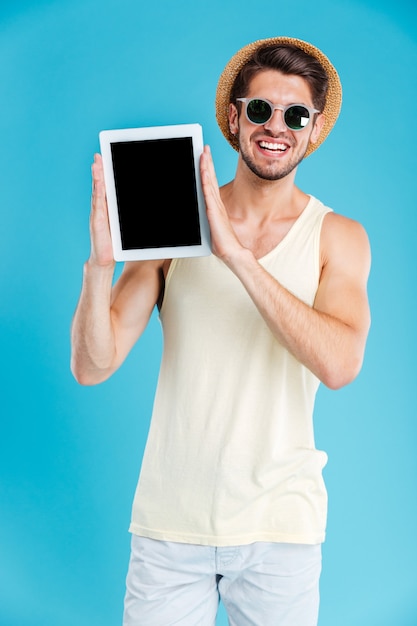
276	124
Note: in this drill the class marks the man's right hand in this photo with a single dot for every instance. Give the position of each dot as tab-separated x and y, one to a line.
109	318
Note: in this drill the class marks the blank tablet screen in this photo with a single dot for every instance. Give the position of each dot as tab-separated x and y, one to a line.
156	193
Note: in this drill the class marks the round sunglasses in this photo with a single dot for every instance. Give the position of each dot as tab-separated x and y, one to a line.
259	111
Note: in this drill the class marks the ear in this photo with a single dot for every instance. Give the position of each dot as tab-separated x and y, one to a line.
233	119
318	125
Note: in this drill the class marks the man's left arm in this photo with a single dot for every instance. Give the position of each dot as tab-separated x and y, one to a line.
328	338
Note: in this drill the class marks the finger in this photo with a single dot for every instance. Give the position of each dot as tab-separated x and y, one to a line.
98	186
208	174
208	165
97	169
101	247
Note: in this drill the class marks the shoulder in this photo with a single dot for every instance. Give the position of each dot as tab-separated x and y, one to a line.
344	240
141	273
338	229
136	268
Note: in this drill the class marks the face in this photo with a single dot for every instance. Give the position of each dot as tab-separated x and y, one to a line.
272	150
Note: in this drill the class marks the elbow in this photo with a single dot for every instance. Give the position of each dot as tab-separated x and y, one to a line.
345	365
80	376
83	380
338	376
86	377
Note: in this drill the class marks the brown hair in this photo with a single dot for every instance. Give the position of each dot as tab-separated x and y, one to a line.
288	59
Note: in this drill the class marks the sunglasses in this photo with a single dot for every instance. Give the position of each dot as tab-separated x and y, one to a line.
259	111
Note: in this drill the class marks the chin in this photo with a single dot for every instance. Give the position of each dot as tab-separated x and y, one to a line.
275	170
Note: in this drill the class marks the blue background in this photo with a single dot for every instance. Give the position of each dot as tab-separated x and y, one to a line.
70	456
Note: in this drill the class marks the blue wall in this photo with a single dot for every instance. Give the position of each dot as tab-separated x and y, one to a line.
70	456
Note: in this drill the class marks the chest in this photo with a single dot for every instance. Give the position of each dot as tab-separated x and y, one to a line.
262	238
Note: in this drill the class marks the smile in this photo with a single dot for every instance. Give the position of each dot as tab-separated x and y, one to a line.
274	147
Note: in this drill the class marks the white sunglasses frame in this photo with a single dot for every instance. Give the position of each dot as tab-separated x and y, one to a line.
279	107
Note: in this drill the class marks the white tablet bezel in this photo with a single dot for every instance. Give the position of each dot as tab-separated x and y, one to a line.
109	137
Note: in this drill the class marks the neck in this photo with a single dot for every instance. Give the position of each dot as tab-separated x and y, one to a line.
249	195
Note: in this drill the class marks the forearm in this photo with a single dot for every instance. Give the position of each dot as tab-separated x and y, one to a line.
92	336
327	346
329	337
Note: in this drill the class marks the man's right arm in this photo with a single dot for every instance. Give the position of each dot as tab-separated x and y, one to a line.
109	319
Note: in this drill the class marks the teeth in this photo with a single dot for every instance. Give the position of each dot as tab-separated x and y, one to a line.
272	146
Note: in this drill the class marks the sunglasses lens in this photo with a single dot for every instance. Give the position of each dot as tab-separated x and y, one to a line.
258	111
297	117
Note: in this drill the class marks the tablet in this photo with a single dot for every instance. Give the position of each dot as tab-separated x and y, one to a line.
154	195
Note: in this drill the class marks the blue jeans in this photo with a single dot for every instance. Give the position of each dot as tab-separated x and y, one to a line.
260	584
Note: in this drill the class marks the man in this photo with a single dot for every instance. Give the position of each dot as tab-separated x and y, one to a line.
231	500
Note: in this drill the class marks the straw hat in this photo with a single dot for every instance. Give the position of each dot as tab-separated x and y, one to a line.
230	72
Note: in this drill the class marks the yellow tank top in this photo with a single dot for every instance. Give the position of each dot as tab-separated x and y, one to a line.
230	457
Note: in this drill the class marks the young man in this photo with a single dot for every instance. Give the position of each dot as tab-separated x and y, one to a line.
231	500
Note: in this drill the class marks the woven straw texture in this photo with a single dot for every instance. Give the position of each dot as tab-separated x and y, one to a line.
334	95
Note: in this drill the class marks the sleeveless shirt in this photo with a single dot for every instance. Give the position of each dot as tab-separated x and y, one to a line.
230	457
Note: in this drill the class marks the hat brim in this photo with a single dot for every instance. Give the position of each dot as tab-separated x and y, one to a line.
334	94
